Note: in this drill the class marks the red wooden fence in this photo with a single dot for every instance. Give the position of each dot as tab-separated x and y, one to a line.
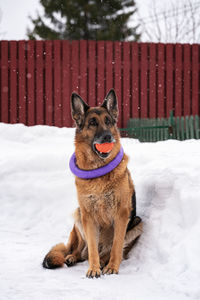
37	78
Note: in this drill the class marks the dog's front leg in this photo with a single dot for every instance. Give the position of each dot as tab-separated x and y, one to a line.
91	234
120	225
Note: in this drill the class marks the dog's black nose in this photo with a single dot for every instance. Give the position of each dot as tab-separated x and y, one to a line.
107	138
104	137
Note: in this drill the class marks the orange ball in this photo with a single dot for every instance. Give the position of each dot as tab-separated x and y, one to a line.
104	148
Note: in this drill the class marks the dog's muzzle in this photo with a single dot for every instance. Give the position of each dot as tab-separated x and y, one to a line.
103	144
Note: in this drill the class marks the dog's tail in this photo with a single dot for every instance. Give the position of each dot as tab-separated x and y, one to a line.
74	251
55	258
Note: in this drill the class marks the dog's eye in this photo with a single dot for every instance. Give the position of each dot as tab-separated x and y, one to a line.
107	121
93	122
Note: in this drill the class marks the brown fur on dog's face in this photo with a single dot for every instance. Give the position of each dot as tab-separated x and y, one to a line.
96	125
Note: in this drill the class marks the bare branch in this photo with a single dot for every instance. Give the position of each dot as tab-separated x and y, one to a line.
193	20
178	23
156	21
144	27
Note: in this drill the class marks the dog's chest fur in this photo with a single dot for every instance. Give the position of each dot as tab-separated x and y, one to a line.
102	206
101	198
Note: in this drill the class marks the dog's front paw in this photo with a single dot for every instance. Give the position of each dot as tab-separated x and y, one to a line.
93	272
109	269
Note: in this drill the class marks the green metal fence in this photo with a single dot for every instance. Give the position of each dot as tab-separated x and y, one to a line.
153	130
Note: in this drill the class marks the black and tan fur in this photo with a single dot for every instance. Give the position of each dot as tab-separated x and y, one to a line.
106	225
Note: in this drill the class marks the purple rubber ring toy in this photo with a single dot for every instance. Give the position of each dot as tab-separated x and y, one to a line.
90	174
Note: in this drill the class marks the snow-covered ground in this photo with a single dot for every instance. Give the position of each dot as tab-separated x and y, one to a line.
38	196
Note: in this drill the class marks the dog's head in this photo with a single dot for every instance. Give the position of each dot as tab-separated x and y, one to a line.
96	126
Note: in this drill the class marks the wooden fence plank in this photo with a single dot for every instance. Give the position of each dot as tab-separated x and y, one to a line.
109	66
186	80
178	128
195	79
66	84
75	66
39	84
152	81
100	72
126	83
197	127
182	136
178	80
118	76
22	82
135	81
4	83
57	84
31	90
13	82
48	83
83	69
151	131
166	130
169	79
143	82
161	81
187	127
92	101
191	127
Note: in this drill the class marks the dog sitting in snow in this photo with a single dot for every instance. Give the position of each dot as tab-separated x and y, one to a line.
106	225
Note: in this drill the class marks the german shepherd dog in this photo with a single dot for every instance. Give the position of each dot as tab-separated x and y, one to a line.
106	225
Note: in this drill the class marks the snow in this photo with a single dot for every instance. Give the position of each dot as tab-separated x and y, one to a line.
37	199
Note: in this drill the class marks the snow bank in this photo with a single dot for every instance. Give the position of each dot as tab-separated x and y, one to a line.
38	196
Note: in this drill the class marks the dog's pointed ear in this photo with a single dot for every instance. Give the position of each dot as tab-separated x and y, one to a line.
78	109
110	103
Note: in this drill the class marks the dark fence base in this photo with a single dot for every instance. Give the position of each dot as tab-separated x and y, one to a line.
153	130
